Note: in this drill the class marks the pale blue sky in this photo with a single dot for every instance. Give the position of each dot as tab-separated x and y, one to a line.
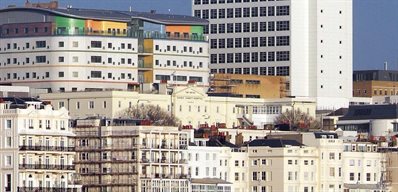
375	24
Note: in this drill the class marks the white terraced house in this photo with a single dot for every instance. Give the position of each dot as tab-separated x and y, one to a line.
37	151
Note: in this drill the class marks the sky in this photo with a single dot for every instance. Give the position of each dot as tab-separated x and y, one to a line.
375	24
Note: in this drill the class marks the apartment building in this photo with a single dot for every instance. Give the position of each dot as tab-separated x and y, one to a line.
216	158
64	50
282	165
392	168
330	149
190	104
120	155
38	151
291	162
309	41
364	167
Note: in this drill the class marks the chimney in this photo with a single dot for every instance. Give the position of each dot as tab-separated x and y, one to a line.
239	139
385	66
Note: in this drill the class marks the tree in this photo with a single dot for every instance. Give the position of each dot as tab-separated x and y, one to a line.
155	114
297	120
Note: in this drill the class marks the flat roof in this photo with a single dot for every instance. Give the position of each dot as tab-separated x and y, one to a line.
274	143
213	181
116	15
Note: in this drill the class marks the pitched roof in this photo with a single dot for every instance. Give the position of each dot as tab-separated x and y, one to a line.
274	143
219	142
339	112
360	112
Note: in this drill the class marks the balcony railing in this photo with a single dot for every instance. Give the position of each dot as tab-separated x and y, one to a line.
46	166
165	176
46	148
46	189
134	34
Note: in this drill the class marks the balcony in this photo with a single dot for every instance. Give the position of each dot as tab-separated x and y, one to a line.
165	176
46	189
130	34
47	167
46	148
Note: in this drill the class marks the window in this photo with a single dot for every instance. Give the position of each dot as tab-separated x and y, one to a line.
271	11
282	25
246	12
221	13
290	176
271	56
254	176
368	177
96	59
331	171
331	156
282	10
61	59
238	12
236	176
213	13
8	160
8	124
282	55
282	41
96	74
264	176
40	44
91	105
61	74
271	26
246	27
8	141
352	176
254	12
96	44
41	59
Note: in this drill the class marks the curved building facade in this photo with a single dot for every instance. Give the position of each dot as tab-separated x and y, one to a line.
84	49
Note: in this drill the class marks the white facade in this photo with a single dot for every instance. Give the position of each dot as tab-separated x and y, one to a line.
290	168
364	168
37	151
308	40
73	63
330	160
324	164
190	104
224	163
